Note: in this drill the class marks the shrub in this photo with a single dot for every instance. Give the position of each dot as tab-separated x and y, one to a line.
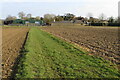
98	24
113	24
105	24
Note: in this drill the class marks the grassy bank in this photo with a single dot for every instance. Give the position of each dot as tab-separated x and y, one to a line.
46	56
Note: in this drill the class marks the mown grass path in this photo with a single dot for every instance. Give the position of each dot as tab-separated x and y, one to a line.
50	57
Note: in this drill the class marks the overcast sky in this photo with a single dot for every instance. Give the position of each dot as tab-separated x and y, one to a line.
41	7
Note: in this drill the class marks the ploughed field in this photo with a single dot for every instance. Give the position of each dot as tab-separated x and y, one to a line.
12	41
47	56
101	41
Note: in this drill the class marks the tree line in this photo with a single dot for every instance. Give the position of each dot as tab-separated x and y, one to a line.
48	18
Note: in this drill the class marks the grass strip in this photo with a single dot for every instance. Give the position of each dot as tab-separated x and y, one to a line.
46	56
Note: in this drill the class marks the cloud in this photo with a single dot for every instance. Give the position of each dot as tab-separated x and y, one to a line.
86	1
109	8
40	1
77	7
28	1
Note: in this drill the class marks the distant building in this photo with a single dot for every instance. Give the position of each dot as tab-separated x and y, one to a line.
30	22
79	21
26	22
34	23
62	23
37	22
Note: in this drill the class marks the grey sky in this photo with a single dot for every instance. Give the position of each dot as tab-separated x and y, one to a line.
41	7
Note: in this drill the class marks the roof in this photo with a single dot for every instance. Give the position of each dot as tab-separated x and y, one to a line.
62	22
78	21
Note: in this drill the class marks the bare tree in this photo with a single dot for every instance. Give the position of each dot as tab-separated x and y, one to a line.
37	18
29	15
69	16
89	15
58	18
1	22
10	18
118	20
111	19
21	14
49	18
102	16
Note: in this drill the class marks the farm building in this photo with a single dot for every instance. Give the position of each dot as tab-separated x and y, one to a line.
81	22
30	22
61	23
68	23
34	22
18	21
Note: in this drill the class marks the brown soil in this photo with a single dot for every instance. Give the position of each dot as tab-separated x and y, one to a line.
101	41
12	41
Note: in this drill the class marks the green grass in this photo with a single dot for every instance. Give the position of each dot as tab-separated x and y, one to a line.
46	56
